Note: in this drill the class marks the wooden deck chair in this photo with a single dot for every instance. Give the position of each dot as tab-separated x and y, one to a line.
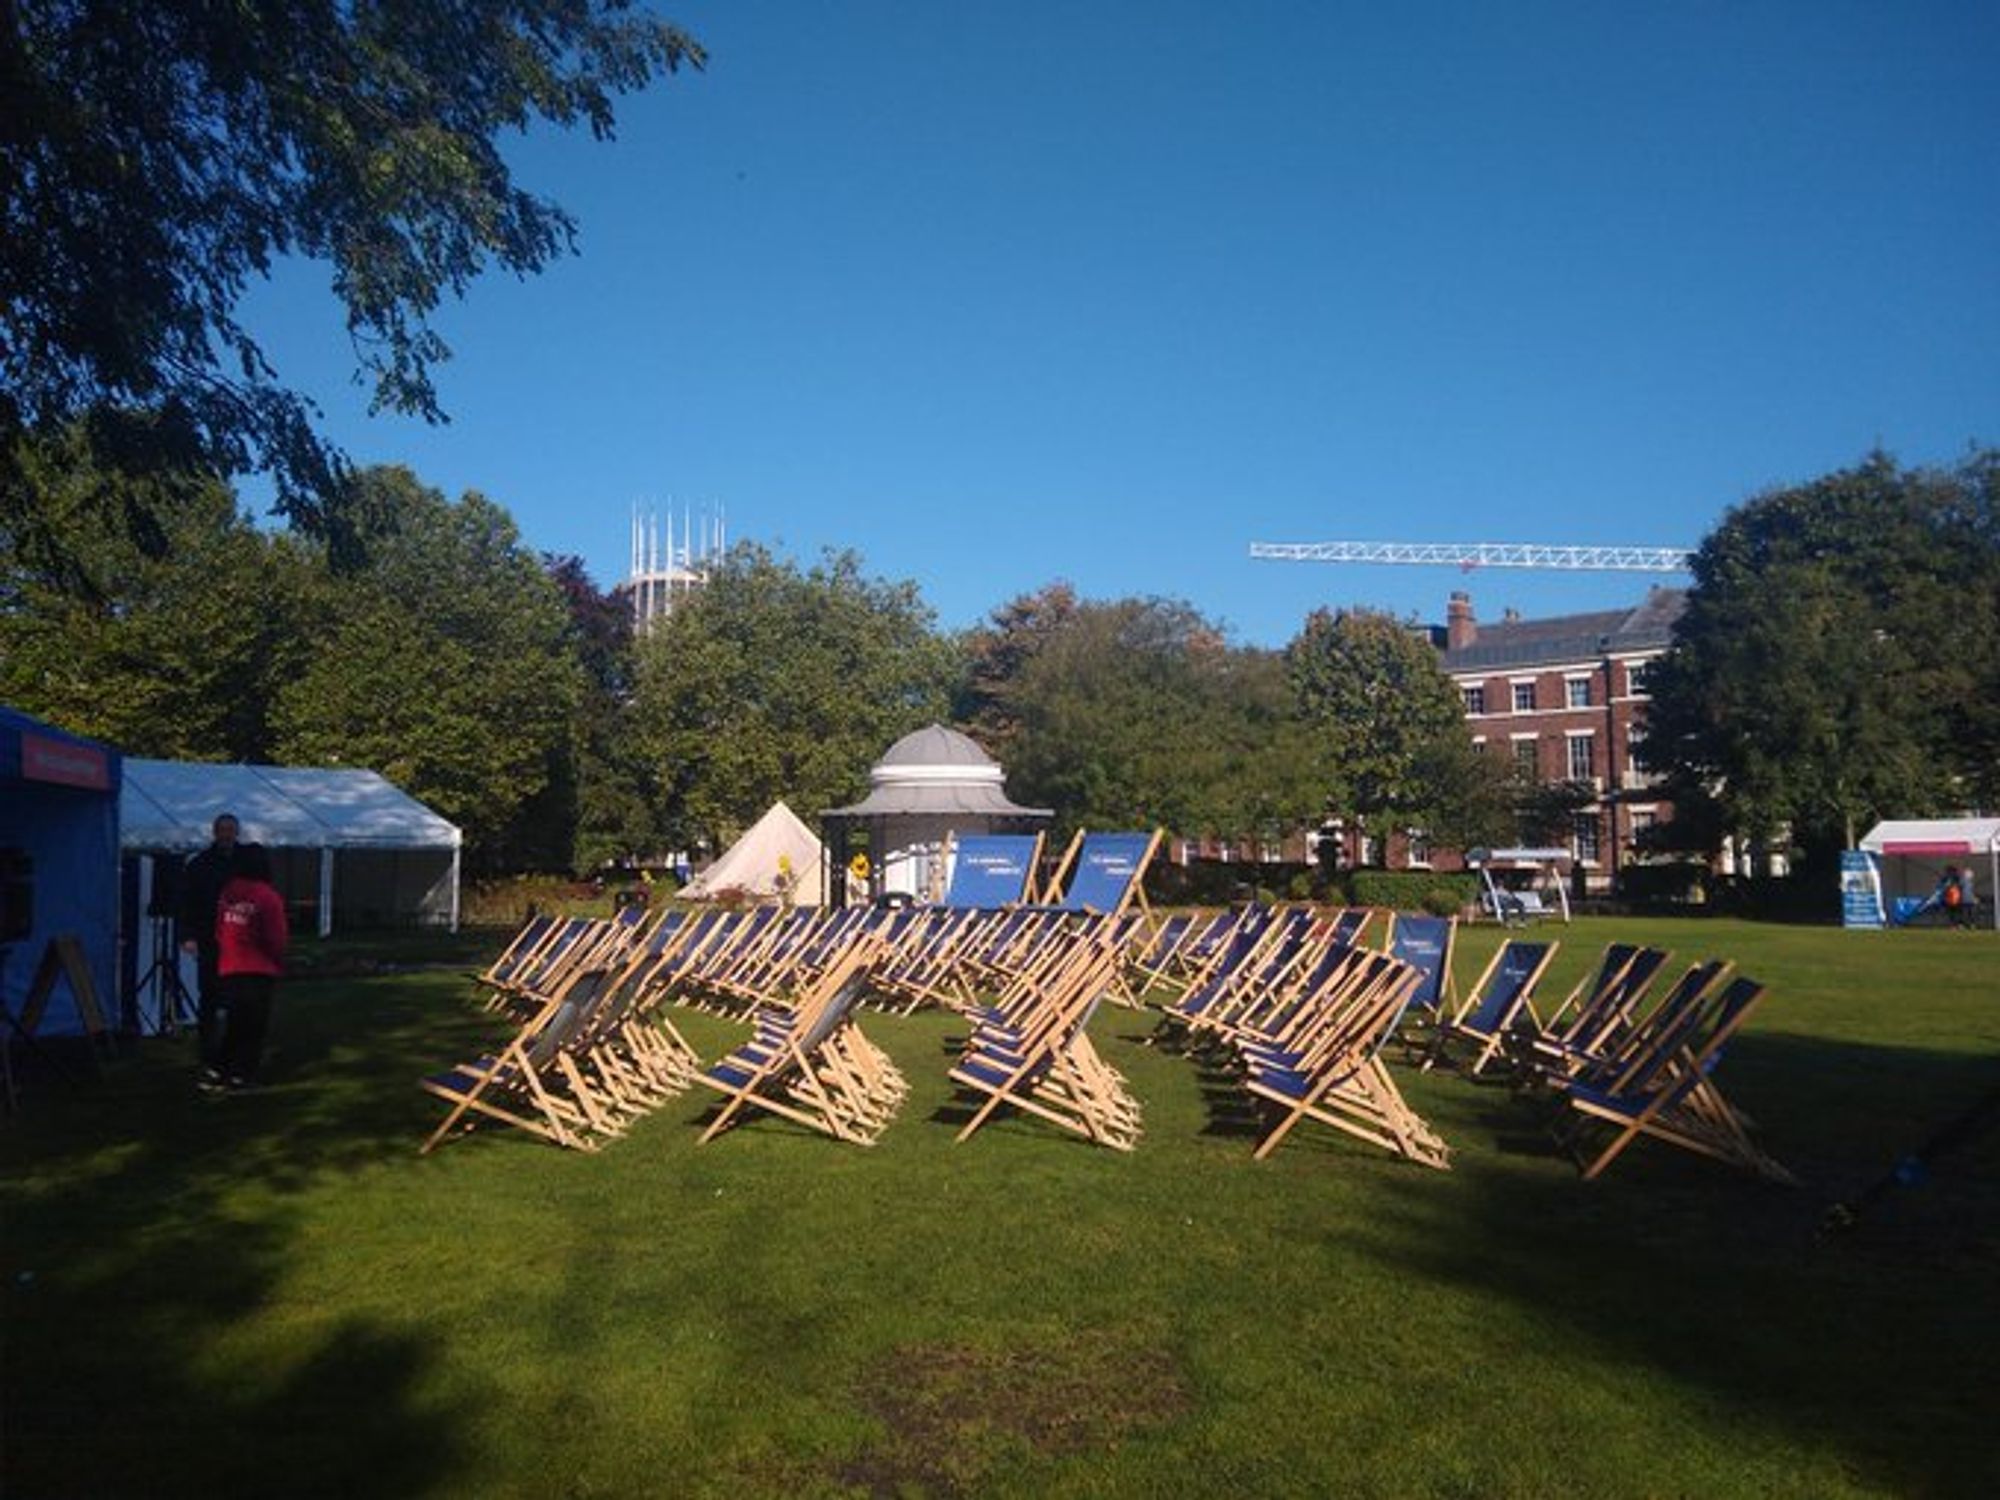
1496	1001
991	870
1287	946
1181	965
1290	1013
1106	872
1602	1038
1425	943
527	938
811	1065
1350	925
1041	1060
628	1051
559	951
1337	1077
520	1085
1666	1090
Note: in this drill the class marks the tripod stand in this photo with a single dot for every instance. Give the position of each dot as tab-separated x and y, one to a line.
173	1007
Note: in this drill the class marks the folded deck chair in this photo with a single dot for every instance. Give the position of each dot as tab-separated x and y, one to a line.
1496	1001
1665	1090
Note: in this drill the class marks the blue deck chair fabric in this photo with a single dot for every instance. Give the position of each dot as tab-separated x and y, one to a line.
1424	943
1496	1003
1107	867
991	869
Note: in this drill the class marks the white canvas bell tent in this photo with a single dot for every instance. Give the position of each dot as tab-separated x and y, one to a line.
350	847
755	863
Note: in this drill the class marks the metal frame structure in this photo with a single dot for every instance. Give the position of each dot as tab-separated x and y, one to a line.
1470	555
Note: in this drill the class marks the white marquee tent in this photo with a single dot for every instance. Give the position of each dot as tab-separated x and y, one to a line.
363	850
1914	853
752	864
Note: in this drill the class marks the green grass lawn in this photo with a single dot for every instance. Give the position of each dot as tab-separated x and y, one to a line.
274	1294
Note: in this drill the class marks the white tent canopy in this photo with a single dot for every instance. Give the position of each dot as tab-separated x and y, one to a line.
753	863
1915	851
398	860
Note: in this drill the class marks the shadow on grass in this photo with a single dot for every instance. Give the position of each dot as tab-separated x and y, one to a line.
1877	1346
148	1226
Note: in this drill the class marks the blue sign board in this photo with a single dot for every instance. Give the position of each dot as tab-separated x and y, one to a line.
1860	889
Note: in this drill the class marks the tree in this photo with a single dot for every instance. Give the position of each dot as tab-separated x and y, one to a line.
605	796
1838	658
1386	717
1137	712
444	664
155	158
775	683
167	650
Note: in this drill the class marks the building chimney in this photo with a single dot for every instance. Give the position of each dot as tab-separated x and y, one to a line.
1460	629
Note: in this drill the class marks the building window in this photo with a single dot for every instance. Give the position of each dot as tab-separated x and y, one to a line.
1475	699
1524	755
1578	691
1420	847
1582	758
1585	827
1643	819
1635	679
1524	697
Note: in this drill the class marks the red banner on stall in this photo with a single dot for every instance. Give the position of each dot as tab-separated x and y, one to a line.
59	761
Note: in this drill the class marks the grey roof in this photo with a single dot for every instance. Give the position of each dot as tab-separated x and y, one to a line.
935	745
948	798
1568	638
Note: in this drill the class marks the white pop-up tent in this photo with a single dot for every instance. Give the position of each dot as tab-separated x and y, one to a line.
362	851
1914	852
757	863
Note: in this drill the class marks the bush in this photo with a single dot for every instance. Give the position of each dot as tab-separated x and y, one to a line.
507	902
1680	881
1413	890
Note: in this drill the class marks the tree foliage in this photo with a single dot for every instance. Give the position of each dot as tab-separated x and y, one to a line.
155	158
772	682
1136	712
1388	722
169	650
604	796
1839	657
445	664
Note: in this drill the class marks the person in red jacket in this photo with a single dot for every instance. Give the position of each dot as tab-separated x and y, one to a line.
250	938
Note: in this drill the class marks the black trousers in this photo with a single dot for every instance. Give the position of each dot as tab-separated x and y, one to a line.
246	1004
208	1004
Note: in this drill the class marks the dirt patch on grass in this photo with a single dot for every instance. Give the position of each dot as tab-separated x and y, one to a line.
953	1414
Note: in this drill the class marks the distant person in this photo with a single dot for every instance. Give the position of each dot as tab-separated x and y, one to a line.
1968	899
1949	894
250	936
201	888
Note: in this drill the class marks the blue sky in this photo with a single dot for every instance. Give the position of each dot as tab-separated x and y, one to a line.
998	294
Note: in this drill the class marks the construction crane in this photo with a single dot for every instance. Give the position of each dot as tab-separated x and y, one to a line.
1470	555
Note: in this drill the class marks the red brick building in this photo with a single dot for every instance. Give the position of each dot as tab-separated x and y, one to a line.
1563	696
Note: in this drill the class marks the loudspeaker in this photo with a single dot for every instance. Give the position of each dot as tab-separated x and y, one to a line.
169	872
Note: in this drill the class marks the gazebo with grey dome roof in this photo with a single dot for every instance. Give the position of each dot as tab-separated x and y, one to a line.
929	785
